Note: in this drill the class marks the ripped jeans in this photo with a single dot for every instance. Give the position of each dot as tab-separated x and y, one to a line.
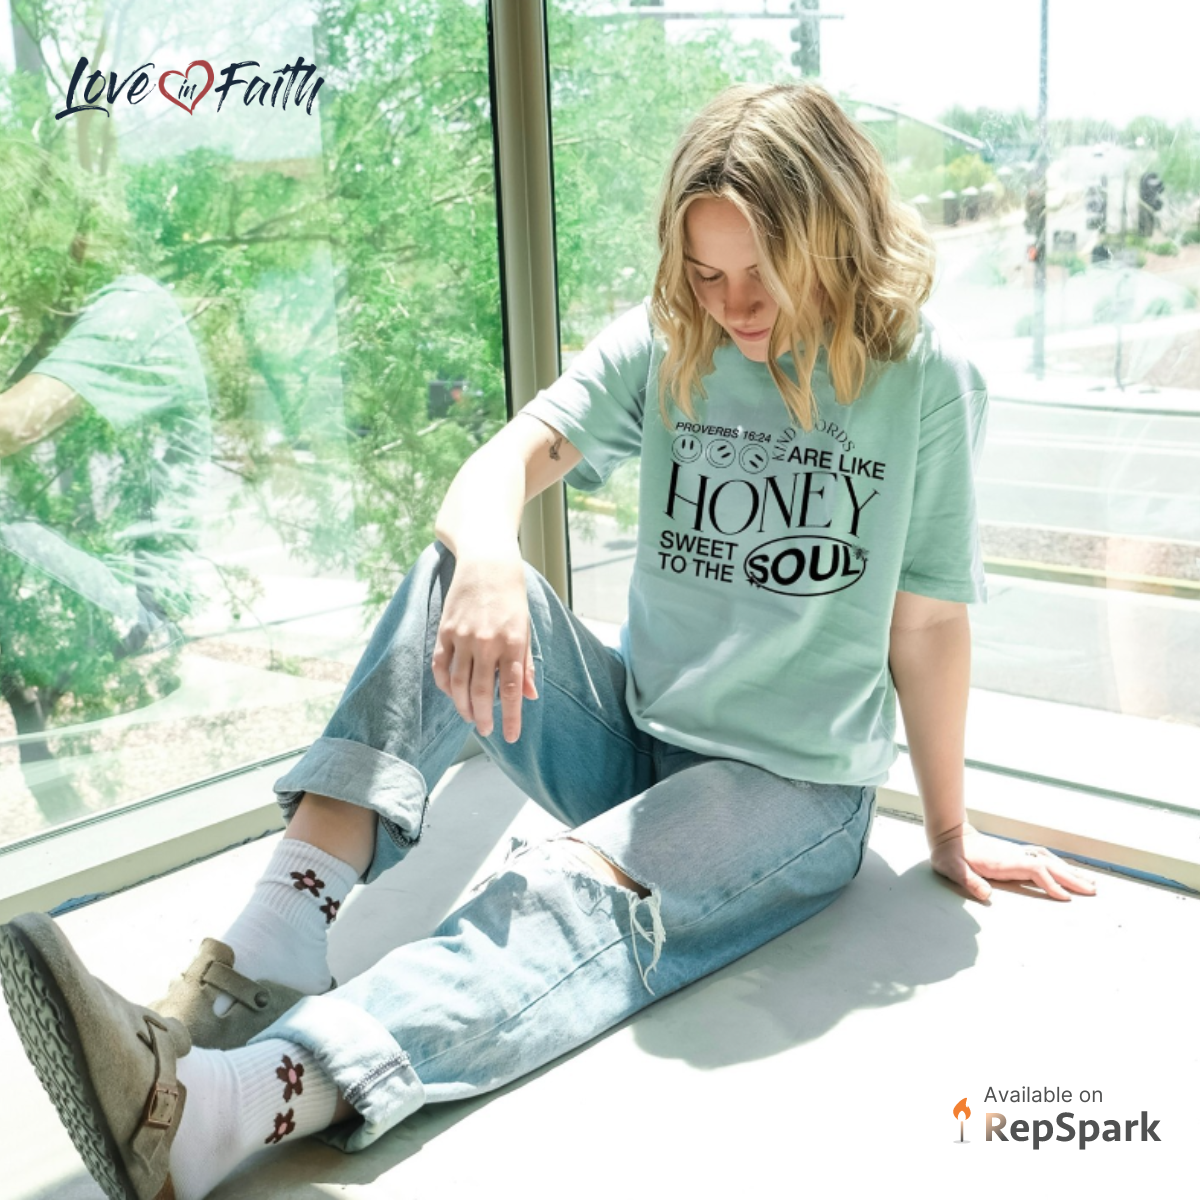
546	954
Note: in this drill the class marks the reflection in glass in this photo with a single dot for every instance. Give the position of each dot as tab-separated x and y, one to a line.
302	281
104	448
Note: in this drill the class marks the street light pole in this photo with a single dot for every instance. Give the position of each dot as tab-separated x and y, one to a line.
1040	173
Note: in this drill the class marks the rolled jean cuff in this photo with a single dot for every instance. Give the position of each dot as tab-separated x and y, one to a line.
360	774
362	1058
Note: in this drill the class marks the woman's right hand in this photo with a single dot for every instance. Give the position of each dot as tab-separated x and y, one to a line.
484	631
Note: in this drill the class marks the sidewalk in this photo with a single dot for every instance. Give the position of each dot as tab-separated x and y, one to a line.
1073	391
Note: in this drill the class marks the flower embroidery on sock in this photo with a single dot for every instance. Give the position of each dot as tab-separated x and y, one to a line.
330	909
283	1126
291	1074
308	882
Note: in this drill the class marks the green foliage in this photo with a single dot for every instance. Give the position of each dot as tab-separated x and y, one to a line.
326	295
1074	263
967	170
63	234
621	95
1160	306
1164	248
988	124
962	170
1177	162
1154	132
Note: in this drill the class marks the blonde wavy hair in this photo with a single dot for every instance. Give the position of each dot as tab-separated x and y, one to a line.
823	211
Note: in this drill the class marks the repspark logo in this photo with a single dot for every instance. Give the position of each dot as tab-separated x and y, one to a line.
1087	1130
1083	1132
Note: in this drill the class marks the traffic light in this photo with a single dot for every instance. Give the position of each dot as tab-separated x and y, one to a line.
1097	206
445	397
1035	219
1150	190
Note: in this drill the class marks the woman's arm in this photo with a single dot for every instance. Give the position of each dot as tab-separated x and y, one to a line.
33	408
930	660
483	506
484	630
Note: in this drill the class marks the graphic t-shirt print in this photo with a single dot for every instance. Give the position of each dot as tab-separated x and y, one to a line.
779	511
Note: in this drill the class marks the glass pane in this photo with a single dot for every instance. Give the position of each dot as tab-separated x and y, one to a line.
249	329
613	134
1089	498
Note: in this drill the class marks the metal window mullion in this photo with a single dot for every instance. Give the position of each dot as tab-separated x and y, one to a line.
525	214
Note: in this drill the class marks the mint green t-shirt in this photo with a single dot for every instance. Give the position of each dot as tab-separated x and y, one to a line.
768	559
133	506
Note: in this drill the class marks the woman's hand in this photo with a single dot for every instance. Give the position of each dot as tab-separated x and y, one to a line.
970	858
485	630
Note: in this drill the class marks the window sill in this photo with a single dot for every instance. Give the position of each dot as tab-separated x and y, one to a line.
938	997
1158	843
97	857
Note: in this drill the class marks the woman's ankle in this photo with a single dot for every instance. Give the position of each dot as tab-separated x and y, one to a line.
347	831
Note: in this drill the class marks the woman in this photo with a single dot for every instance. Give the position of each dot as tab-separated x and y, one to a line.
807	547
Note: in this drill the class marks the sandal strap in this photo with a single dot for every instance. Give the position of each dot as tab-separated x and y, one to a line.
152	1138
253	995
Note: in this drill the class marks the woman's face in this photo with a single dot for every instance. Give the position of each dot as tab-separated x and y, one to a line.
722	266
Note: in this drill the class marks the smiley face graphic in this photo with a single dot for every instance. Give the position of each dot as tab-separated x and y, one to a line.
686	448
753	459
721	453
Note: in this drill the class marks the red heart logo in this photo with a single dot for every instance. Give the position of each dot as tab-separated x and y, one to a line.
162	82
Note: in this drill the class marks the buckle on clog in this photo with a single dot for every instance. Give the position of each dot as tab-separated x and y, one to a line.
159	1111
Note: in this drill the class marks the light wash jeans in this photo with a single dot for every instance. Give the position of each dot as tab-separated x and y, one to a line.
545	954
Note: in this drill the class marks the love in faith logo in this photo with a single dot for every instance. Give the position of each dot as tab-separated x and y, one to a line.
181	90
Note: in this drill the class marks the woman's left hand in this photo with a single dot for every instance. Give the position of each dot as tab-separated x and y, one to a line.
970	858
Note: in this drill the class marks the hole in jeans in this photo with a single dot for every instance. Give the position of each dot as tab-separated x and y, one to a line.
597	861
638	898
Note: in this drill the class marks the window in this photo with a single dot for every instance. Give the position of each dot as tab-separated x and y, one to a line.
248	333
1072	283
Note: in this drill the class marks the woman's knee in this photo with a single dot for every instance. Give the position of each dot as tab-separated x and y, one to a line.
599	864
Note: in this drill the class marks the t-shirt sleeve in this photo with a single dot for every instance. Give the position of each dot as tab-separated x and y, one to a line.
130	354
942	556
598	403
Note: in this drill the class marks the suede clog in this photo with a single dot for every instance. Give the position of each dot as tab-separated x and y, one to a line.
108	1064
257	1003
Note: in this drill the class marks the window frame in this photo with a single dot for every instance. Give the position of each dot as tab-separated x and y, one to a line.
112	851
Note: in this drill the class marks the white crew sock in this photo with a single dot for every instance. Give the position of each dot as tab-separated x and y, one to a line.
240	1101
281	935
